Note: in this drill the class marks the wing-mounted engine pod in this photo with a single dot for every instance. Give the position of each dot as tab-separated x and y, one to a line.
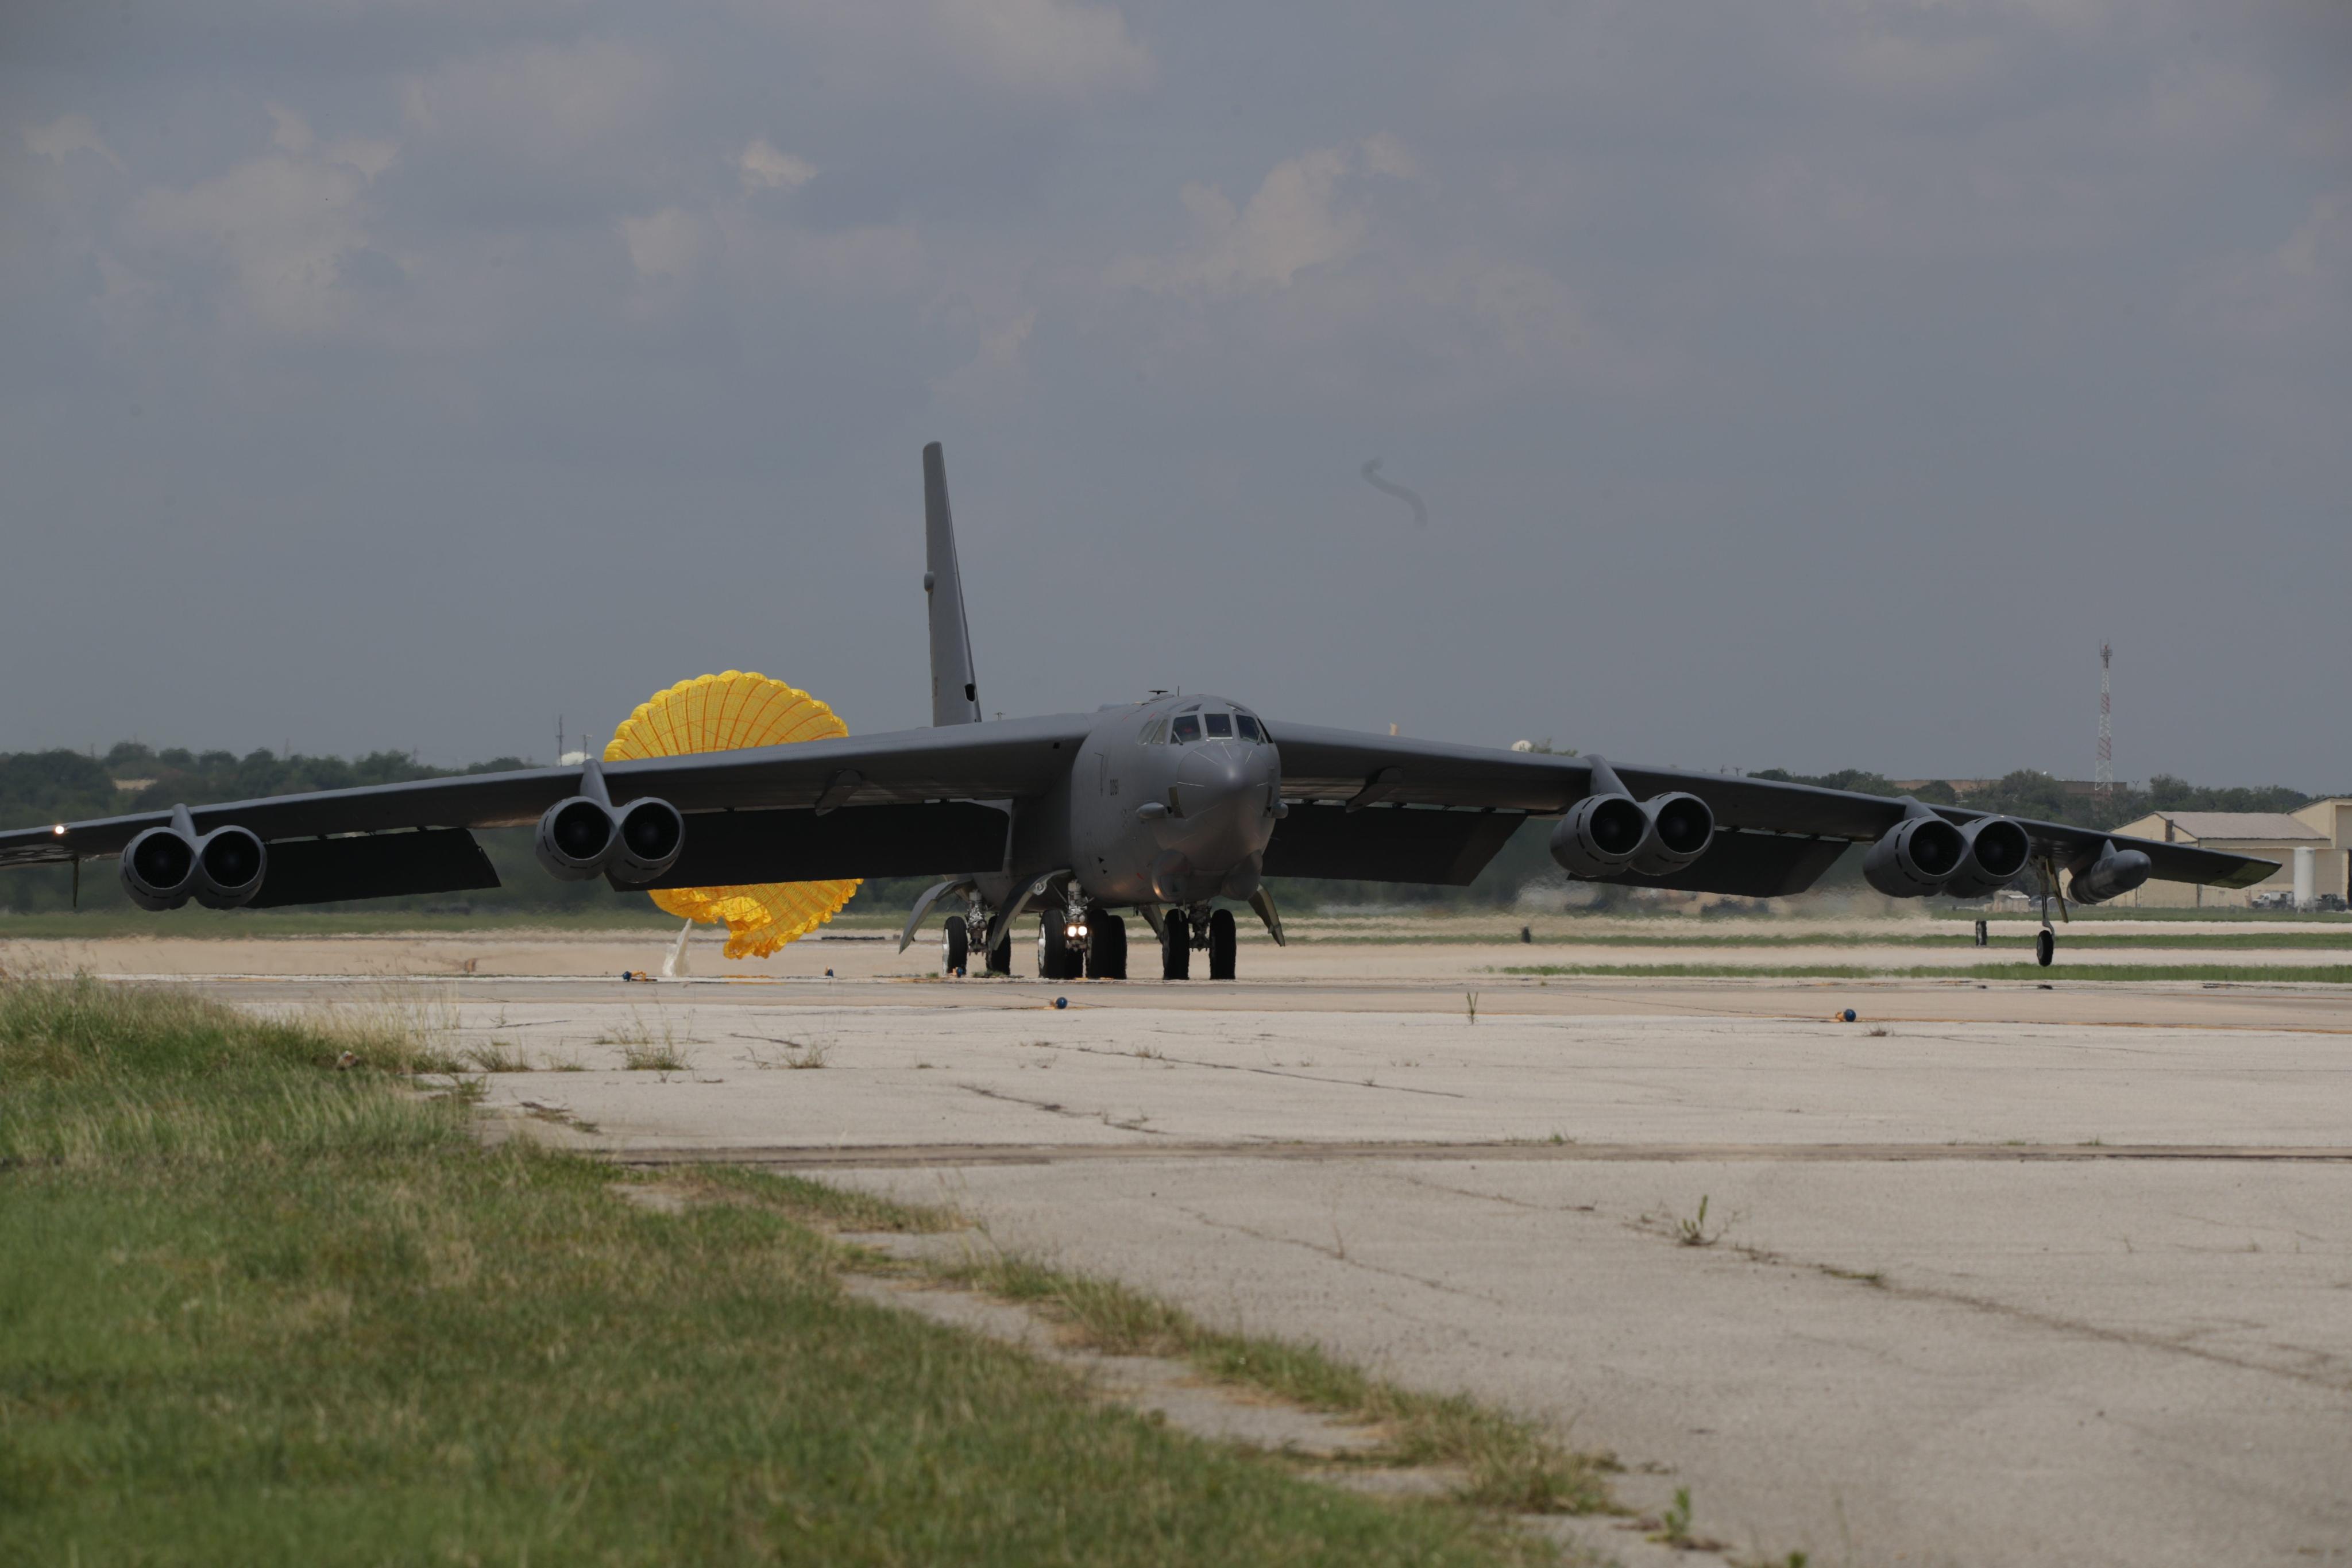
158	868
650	833
230	865
1915	858
1600	836
575	839
2115	872
1998	850
1681	826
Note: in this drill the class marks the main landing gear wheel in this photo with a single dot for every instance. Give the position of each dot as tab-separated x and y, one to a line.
1057	959
999	957
1223	944
1176	947
1106	946
2046	946
955	946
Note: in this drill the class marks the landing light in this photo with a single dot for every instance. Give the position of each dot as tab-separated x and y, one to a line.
59	830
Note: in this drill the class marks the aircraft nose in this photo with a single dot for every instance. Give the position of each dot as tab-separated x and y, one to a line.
1224	784
1216	768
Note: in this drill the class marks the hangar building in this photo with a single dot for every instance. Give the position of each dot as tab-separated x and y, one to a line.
2324	828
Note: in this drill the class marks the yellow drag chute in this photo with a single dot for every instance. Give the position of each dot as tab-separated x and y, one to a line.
727	713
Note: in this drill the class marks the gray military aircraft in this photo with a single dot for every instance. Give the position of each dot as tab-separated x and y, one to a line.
1161	807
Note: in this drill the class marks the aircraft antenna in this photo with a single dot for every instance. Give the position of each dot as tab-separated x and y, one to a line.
2103	780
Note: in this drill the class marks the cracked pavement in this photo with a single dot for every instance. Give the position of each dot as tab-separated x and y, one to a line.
2035	1276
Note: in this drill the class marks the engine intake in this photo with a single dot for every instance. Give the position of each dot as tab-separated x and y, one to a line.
575	839
1999	849
2116	871
164	867
1681	827
1917	856
1600	836
651	834
230	865
158	868
1608	834
582	837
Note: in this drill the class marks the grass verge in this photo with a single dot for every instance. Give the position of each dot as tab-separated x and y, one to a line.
2259	974
1507	1463
258	1309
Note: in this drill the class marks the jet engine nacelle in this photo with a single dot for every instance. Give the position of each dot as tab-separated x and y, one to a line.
651	834
2114	872
1999	848
1681	827
164	867
1607	835
581	837
1918	855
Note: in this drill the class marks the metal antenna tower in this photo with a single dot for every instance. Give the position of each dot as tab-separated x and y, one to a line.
2104	779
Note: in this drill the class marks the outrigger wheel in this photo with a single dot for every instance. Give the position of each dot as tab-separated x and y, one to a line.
2046	946
1175	946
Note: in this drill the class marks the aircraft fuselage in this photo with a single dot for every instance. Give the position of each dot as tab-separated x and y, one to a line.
1167	802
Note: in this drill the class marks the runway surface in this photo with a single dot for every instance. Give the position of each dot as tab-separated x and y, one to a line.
1996	1274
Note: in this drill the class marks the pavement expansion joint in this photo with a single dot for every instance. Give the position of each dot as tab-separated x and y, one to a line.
909	1155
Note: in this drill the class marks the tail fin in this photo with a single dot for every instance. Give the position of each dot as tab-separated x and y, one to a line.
955	699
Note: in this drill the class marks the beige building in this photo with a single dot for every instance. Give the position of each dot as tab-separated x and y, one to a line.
2324	828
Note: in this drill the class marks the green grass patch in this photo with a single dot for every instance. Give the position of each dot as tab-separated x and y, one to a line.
258	1309
1509	1463
2251	974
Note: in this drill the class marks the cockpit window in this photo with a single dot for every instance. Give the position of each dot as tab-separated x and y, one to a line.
1245	726
1155	734
1219	723
1187	726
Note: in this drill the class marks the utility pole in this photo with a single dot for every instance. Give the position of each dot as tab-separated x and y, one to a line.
2103	781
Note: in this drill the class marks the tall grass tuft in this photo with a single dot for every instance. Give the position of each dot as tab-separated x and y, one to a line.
263	1303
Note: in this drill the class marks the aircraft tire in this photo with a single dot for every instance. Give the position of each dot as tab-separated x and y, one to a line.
1176	947
999	957
1056	959
955	946
1225	943
2046	946
1106	946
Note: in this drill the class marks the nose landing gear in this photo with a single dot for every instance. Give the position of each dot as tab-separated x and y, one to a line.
1209	931
1224	945
1175	946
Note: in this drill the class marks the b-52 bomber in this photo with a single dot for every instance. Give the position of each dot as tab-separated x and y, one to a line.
1161	807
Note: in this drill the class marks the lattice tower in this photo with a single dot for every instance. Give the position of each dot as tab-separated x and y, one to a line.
2106	777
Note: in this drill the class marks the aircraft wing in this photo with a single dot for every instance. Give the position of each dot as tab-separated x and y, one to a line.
1771	837
1006	760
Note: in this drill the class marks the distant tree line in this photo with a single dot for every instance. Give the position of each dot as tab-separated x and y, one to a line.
41	787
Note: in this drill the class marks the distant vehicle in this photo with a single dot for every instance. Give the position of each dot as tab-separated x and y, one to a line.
1160	807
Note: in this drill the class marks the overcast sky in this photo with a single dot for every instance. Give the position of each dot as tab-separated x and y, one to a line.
1805	385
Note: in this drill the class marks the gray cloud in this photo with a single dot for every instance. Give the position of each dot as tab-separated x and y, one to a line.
1805	386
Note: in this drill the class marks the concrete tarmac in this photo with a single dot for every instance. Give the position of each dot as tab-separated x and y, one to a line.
2032	1276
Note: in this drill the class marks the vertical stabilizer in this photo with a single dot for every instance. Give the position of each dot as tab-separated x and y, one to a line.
955	699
